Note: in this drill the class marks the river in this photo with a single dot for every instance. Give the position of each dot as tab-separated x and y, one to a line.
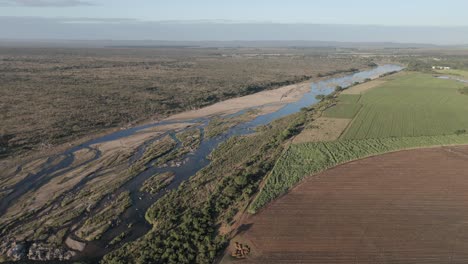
193	162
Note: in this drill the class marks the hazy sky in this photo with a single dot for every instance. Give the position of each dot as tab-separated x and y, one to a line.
373	12
415	21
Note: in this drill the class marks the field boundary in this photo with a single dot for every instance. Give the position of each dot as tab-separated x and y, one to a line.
257	206
350	123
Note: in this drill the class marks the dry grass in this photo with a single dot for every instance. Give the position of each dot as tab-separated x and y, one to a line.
361	88
322	129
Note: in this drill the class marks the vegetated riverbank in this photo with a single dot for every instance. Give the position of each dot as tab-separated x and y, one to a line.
101	178
83	185
186	220
77	92
193	222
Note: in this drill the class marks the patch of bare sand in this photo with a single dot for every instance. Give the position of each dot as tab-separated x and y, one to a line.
34	200
58	185
82	156
163	128
74	244
137	139
281	95
126	143
322	129
268	109
364	87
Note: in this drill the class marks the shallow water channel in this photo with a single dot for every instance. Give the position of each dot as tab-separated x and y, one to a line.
133	220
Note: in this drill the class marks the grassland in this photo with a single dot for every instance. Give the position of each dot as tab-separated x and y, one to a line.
158	150
189	140
98	223
50	96
157	182
464	90
219	125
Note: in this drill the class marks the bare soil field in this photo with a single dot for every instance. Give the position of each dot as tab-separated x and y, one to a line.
402	207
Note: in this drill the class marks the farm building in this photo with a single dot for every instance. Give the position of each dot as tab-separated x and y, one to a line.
440	68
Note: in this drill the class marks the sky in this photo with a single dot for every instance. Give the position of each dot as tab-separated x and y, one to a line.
369	12
53	18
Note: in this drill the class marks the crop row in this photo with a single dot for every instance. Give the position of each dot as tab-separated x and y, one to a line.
306	159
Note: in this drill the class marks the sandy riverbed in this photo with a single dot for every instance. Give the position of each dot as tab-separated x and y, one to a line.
278	96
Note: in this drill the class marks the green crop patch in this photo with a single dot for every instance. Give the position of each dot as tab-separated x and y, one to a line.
464	90
413	105
412	111
347	107
349	98
343	111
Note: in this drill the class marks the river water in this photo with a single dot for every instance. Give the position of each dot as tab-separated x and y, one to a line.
193	162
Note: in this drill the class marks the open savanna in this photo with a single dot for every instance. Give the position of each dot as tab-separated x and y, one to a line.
49	96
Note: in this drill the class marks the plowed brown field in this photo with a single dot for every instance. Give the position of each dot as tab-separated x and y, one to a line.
403	207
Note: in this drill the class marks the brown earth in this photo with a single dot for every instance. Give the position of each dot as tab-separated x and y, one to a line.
403	207
323	129
364	87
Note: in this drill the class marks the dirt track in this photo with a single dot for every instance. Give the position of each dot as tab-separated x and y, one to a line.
404	207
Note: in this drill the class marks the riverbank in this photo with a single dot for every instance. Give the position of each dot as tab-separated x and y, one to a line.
277	97
83	181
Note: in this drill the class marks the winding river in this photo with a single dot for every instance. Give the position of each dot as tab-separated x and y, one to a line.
193	162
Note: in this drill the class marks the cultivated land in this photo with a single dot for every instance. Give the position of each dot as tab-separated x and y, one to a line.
404	207
361	88
412	105
409	110
190	219
403	111
322	129
302	160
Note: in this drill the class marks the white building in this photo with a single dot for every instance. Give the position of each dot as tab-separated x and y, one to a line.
440	68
